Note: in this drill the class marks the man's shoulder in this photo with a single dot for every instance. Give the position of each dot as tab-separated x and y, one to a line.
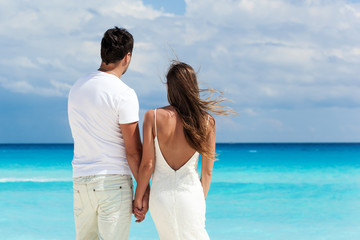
106	84
123	89
89	75
84	78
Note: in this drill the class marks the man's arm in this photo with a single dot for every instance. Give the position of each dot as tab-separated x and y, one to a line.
133	147
146	168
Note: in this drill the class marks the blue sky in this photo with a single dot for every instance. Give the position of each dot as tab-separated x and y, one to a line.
291	68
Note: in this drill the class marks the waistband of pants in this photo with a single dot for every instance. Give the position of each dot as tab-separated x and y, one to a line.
101	177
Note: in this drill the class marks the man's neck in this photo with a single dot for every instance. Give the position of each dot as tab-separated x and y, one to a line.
111	68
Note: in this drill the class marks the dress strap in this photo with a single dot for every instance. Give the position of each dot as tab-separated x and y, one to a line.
155	122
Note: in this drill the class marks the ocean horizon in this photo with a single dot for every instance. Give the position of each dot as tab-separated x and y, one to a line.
259	191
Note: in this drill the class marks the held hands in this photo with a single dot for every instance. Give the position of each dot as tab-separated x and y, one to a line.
141	206
139	210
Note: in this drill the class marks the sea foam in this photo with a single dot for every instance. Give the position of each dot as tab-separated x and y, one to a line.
12	180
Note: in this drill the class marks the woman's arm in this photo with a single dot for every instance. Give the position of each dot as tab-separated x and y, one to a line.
147	161
207	164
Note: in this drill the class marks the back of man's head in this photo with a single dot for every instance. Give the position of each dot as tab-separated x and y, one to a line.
116	43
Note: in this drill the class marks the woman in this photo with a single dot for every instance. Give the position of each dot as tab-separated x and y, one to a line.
173	138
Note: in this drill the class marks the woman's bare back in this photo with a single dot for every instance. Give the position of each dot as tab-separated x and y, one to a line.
171	138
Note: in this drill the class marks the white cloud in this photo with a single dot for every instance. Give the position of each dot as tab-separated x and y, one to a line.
54	63
19	86
21	61
26	87
132	8
144	53
349	9
250	112
61	86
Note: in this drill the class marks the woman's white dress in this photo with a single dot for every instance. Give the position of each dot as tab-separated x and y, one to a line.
177	203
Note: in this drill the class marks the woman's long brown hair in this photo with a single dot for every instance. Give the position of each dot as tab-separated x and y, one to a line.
184	96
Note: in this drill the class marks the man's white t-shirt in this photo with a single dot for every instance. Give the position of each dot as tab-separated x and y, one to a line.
97	104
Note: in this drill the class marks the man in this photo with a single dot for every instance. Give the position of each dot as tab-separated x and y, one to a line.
103	114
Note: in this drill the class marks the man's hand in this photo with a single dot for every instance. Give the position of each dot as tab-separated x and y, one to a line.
141	207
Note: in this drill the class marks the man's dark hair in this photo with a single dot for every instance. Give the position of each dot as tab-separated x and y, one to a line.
116	43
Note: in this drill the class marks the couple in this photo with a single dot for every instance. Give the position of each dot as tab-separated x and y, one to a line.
103	114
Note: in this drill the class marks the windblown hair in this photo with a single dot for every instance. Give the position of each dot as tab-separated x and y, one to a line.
184	96
116	43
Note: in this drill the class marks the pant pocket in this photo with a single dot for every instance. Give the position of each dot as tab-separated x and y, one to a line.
78	204
109	200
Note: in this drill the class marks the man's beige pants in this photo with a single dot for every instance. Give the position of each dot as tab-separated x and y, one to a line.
103	206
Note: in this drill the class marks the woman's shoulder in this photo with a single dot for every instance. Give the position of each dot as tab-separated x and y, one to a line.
149	117
164	112
160	113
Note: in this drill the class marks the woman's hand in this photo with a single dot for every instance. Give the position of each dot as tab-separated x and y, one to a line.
138	210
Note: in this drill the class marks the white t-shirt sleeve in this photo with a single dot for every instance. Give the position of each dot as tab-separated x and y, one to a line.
129	108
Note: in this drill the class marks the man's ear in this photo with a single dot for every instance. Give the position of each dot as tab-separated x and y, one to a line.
127	58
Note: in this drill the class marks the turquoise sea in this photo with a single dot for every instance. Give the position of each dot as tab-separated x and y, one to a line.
259	191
